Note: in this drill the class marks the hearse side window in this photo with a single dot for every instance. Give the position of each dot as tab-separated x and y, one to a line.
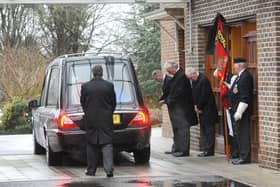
44	90
53	91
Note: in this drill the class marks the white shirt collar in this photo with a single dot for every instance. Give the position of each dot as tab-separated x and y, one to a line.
239	74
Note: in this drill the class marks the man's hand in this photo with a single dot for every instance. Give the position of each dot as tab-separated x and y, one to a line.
227	84
240	110
161	102
237	116
197	109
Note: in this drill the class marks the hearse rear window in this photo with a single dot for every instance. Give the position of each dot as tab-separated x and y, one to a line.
117	73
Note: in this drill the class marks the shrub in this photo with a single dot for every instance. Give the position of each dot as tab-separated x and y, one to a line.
155	117
15	116
151	93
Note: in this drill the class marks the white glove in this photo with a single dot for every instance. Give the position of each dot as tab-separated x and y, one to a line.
227	84
240	110
237	116
215	73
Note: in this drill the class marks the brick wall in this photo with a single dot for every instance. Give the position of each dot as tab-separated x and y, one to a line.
268	41
268	34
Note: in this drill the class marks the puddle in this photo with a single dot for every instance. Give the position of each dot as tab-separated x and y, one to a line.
206	181
167	181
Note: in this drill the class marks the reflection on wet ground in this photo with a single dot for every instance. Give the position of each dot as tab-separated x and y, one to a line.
178	181
174	181
182	181
208	181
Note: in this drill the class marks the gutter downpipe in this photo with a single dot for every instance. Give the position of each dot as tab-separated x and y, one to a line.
190	50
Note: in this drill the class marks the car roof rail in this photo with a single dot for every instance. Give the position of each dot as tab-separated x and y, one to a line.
103	53
106	53
72	55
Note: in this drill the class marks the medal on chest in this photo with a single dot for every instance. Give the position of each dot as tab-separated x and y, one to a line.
235	89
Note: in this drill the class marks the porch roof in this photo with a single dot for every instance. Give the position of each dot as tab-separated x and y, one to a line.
165	14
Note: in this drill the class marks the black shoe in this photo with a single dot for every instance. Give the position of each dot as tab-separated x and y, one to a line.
168	152
234	156
110	174
240	161
204	154
180	154
90	173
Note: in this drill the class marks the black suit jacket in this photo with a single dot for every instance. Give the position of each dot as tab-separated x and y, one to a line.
242	91
180	98
165	87
204	98
98	100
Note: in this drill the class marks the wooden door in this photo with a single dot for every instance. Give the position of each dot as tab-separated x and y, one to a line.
244	44
210	66
241	42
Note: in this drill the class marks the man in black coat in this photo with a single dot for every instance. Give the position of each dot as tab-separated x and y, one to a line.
164	80
241	95
205	106
98	100
181	108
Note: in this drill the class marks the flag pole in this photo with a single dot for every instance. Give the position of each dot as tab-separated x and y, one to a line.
227	147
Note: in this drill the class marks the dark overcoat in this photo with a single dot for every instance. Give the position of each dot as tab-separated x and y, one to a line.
204	99
98	101
242	91
180	100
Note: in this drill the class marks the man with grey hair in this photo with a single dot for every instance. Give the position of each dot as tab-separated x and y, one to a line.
98	101
157	75
206	109
181	108
171	67
164	80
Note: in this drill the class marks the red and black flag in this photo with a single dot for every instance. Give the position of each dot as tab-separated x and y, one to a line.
217	45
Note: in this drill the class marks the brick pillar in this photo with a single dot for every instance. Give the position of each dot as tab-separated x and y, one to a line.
168	52
195	54
268	43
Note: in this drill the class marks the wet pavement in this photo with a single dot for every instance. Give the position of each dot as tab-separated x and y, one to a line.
19	167
178	181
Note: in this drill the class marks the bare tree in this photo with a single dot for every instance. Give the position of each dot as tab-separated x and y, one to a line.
68	28
16	25
21	72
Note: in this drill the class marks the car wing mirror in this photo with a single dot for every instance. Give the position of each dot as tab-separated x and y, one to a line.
33	104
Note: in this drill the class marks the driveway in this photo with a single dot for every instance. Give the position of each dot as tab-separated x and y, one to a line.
20	167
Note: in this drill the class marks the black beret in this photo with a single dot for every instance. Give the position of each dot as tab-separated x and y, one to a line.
239	60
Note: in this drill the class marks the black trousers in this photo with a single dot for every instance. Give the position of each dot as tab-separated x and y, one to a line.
243	138
233	146
107	156
173	148
181	130
207	134
234	150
